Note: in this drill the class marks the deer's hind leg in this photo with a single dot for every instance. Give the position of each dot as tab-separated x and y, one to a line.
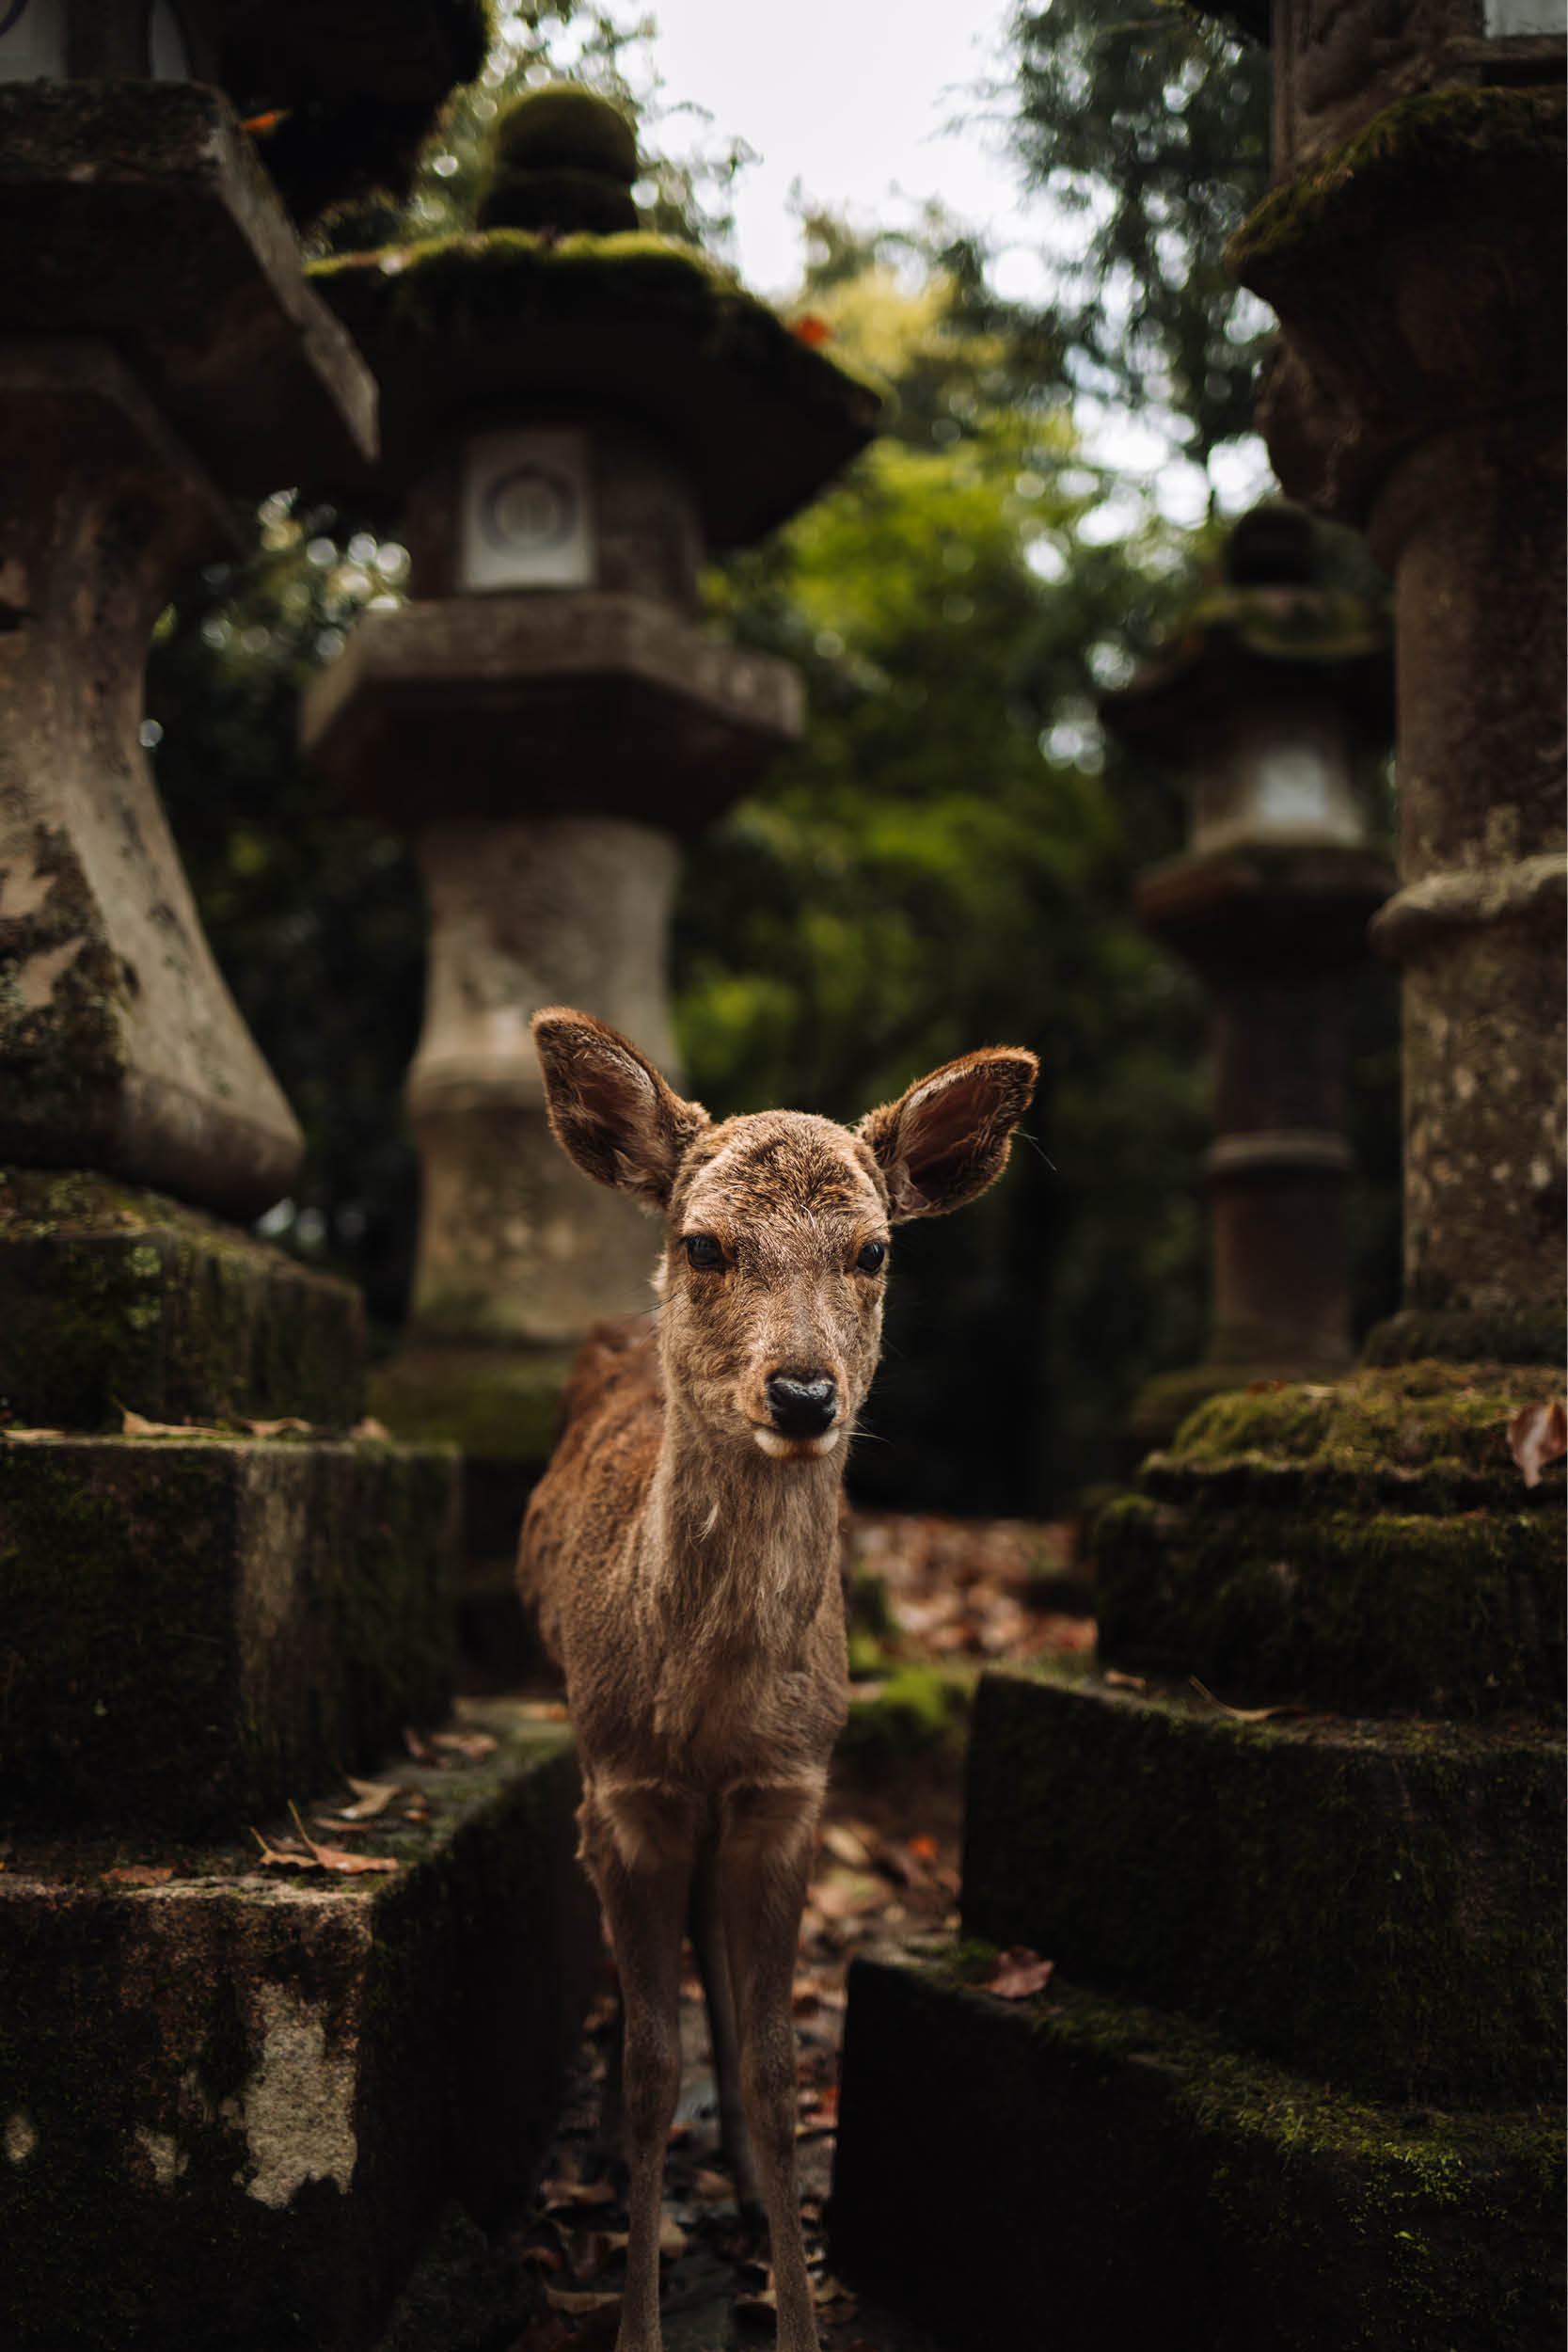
764	1862
639	1846
706	1929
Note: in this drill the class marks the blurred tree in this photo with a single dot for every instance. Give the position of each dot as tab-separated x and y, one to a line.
1147	129
946	862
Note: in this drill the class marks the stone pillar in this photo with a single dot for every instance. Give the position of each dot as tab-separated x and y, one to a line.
1279	695
574	416
1414	251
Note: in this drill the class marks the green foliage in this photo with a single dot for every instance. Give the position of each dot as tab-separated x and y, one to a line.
947	861
1148	128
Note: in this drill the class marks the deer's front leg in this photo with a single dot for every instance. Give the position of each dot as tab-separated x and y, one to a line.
764	1862
639	1851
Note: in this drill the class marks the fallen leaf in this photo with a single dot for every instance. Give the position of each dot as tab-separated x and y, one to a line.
134	1425
31	1437
1118	1681
418	1746
1246	1714
373	1797
370	1427
1537	1435
1019	1974
475	1745
713	2187
830	2290
846	1845
923	1847
541	2258
276	1428
333	1857
580	2300
141	1874
543	1711
809	328
562	2191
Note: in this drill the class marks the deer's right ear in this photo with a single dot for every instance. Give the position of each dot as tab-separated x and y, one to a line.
610	1110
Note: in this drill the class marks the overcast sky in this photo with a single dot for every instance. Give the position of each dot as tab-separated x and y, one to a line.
852	99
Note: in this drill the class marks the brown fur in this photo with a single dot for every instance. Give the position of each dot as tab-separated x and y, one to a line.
681	1553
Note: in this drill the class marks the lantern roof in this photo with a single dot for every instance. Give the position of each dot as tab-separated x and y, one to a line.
558	307
1268	630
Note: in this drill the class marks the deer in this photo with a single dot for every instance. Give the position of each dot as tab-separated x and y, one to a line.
681	1554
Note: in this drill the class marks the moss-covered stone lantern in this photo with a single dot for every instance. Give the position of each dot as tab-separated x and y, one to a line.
1306	1912
575	413
1272	698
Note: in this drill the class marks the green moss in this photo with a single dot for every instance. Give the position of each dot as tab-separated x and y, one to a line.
1423	156
916	1708
193	1628
1518	1335
1270	2214
495	1405
449	1989
112	1299
1378	1903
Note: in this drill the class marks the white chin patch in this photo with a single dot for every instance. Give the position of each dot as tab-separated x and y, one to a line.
772	1442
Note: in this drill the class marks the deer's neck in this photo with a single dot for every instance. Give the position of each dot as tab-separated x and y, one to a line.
741	1547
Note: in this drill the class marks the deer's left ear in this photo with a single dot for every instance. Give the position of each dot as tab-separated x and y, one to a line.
945	1139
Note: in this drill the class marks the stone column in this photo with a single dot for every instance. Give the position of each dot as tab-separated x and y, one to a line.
576	416
1278	696
1416	260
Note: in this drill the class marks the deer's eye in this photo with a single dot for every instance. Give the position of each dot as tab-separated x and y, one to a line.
871	1257
704	1253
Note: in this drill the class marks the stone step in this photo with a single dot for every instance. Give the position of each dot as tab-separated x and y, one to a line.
234	2100
193	1631
1369	1544
1378	1902
115	1300
1076	2171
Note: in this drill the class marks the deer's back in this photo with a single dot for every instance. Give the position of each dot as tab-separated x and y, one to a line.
612	1409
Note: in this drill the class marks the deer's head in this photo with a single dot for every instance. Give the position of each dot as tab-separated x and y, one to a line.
776	1225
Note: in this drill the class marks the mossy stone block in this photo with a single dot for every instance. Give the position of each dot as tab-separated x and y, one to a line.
1083	2172
1460	1615
496	1405
1368	1543
193	1631
233	2104
114	1298
1379	1904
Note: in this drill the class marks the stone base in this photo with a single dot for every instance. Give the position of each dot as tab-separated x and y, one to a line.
498	1404
1367	1543
1379	1903
1080	2172
114	1299
195	1630
233	2104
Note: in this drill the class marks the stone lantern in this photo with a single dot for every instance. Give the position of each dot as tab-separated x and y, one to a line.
1306	1912
575	415
218	1589
1275	693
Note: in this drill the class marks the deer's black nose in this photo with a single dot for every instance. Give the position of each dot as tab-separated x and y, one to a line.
803	1408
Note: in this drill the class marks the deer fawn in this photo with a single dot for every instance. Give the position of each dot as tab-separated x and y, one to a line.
682	1552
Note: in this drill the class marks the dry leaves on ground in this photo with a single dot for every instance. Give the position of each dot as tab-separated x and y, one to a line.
1019	1974
1537	1435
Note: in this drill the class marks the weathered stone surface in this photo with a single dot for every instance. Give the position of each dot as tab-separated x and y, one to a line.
1377	1903
1118	2178
231	2103
642	326
1368	1545
140	212
113	1301
546	704
194	1631
496	1405
120	1047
